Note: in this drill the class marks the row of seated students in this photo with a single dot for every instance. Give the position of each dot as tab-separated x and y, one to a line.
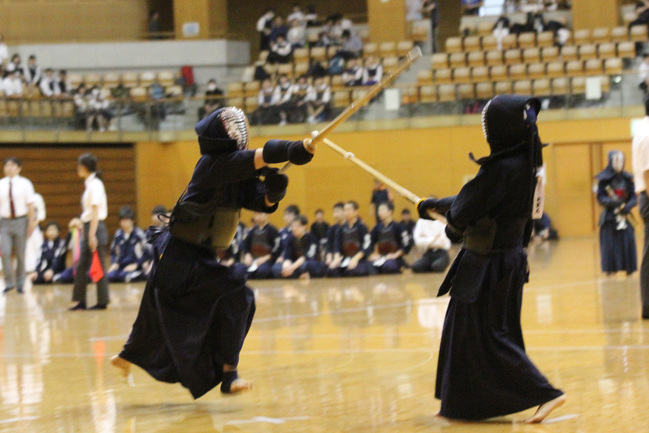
130	254
347	248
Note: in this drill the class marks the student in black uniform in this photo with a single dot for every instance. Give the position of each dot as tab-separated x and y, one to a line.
290	213
332	232
129	254
299	257
261	248
231	256
352	246
407	222
195	313
319	229
53	252
616	192
483	370
390	241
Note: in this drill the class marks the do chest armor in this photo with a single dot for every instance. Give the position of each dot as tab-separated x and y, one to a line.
351	243
387	242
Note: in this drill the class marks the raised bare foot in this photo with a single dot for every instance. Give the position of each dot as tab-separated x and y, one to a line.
124	368
240	385
545	409
233	384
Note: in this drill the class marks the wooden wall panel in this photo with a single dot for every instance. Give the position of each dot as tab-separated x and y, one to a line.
52	170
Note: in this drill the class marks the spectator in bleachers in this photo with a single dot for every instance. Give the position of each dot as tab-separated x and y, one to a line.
13	84
15	66
99	110
153	26
296	36
52	255
317	70
264	25
340	25
352	46
265	112
500	30
282	98
81	105
353	74
471	7
62	83
431	8
414	10
643	71
48	85
158	110
323	40
311	17
277	29
261	248
32	73
298	103
4	52
318	101
213	99
128	252
372	72
296	14
299	256
280	50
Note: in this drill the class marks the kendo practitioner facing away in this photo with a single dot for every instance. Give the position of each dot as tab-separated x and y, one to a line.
616	192
195	312
483	370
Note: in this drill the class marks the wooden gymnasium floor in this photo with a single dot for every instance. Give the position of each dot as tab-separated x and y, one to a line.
355	355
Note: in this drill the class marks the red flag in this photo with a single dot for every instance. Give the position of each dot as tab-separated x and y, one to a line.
96	270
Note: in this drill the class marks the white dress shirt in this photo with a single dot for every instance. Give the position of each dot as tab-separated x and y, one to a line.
640	154
22	192
49	86
12	86
430	234
4	52
94	195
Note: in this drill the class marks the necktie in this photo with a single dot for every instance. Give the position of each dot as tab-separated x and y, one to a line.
11	201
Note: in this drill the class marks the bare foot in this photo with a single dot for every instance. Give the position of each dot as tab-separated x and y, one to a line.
545	409
124	368
240	385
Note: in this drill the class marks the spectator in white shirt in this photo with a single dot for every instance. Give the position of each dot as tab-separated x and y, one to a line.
263	27
413	10
264	101
372	72
15	66
49	86
430	238
296	35
32	72
318	100
62	83
311	17
99	109
280	50
13	85
282	97
296	14
4	51
298	102
17	223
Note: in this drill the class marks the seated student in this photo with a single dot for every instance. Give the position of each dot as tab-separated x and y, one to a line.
353	74
319	229
159	216
281	101
73	244
543	230
128	252
52	258
280	51
298	103
430	238
261	248
231	256
318	100
332	232
391	241
290	213
372	72
299	257
407	222
352	246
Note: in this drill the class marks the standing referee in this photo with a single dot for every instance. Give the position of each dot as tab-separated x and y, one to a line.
17	223
95	235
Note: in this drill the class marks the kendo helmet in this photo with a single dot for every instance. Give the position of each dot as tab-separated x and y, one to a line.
509	126
223	131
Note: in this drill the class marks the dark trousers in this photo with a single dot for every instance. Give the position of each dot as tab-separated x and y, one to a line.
315	269
432	261
361	270
85	260
643	206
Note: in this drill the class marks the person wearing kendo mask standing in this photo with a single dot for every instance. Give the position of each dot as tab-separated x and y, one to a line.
616	193
195	312
483	370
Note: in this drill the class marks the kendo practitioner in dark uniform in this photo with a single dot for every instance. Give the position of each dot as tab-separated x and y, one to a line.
53	251
391	241
128	251
261	248
332	232
299	257
195	312
483	370
616	192
319	229
290	213
352	246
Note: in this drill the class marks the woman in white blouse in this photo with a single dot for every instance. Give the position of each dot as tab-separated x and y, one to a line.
95	235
